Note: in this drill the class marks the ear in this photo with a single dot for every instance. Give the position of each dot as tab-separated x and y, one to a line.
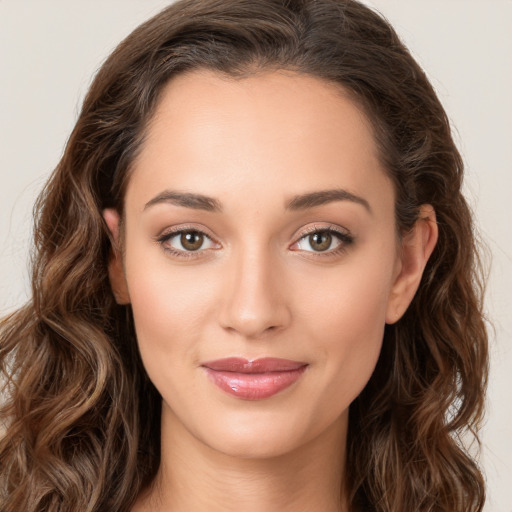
115	264
417	246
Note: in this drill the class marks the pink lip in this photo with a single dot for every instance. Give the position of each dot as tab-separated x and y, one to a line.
253	380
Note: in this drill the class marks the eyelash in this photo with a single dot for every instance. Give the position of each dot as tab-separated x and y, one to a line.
344	237
165	237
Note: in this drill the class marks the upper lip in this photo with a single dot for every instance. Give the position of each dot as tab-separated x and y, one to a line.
263	365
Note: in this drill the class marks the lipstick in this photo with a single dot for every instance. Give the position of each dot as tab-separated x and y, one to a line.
253	380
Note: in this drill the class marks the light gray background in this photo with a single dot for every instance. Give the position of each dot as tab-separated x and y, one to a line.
50	49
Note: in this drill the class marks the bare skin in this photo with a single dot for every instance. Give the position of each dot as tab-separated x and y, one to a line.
273	273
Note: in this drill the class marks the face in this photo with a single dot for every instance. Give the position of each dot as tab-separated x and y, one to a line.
260	258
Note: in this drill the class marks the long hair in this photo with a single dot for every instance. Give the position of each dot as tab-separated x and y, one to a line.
80	417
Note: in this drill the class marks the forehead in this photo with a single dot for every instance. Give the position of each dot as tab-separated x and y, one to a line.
268	133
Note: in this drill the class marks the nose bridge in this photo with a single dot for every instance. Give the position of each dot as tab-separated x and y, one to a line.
254	299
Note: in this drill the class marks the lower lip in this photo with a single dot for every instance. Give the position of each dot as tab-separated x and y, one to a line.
254	386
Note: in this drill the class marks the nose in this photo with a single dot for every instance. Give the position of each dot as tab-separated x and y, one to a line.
253	301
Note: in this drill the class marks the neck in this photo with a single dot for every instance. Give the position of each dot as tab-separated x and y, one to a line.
193	476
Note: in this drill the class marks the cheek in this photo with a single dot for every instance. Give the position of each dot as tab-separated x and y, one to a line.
345	319
169	308
351	299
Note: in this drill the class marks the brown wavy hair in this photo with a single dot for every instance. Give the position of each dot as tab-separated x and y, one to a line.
81	418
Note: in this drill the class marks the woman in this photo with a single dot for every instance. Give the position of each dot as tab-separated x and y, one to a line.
255	283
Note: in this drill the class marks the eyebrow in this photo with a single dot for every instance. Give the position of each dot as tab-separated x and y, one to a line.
187	200
313	199
296	203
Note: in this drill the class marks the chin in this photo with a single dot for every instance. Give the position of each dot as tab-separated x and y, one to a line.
255	444
266	435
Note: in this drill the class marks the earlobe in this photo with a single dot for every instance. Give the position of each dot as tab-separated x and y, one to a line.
417	246
115	264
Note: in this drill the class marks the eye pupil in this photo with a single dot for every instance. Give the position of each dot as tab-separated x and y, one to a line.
191	240
320	241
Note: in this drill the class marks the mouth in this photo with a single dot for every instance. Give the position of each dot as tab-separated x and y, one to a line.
253	380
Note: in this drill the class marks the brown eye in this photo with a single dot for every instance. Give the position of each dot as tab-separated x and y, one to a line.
191	240
187	241
329	241
320	241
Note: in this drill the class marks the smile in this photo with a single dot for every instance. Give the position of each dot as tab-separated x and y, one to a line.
253	380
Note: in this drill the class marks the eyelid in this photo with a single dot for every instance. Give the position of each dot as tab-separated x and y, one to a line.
318	228
170	233
343	235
